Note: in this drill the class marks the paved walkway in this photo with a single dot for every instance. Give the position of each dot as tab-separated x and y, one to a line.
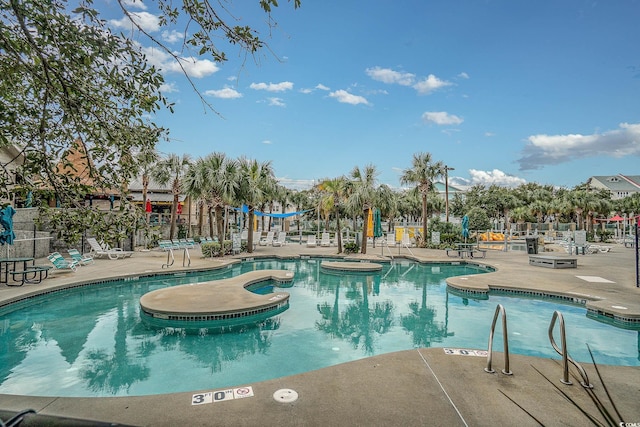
415	387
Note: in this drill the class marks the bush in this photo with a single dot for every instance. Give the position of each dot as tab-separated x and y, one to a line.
351	248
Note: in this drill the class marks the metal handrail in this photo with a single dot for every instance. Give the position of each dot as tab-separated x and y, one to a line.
505	339
565	354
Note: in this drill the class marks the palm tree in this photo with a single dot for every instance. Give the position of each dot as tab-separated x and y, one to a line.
172	169
422	173
363	194
335	193
255	180
146	160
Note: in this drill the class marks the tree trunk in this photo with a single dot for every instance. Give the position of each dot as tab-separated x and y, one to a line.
250	229
365	227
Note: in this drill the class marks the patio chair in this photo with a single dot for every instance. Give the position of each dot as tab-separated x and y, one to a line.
311	241
267	240
80	258
98	251
326	239
281	240
61	263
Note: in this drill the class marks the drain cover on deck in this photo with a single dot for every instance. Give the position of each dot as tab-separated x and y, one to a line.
285	395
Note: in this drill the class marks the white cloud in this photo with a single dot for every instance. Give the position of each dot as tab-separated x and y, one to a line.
544	150
172	36
168	88
226	93
277	102
441	118
147	21
272	87
430	84
387	75
320	86
306	91
134	3
496	177
489	134
348	98
196	68
267	142
463	75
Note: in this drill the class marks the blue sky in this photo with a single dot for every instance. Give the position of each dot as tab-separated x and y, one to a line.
504	91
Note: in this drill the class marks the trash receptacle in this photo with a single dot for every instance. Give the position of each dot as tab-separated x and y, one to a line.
532	245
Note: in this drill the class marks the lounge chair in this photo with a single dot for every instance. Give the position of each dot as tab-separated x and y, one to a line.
326	239
61	263
267	240
80	258
125	254
98	251
281	240
391	239
311	241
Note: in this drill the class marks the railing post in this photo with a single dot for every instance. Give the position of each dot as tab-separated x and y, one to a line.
499	310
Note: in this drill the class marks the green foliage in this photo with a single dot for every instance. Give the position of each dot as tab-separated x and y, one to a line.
351	248
215	249
478	219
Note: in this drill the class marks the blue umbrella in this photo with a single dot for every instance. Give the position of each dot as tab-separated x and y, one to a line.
465	227
6	220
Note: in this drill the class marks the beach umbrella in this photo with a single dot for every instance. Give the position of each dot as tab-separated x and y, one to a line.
377	223
6	220
147	206
465	227
616	218
370	224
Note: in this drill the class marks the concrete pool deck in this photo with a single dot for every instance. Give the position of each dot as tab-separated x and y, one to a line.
413	387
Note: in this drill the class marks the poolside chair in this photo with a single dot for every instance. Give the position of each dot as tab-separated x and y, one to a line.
326	240
406	242
124	254
281	240
80	258
267	240
257	235
61	263
311	241
391	239
99	251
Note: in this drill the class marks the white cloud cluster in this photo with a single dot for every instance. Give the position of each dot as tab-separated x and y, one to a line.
544	150
424	86
172	36
277	102
194	67
272	87
296	184
441	118
386	75
348	98
496	177
147	21
134	3
226	93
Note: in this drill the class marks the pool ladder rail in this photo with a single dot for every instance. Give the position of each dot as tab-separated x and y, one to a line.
564	352
499	310
557	316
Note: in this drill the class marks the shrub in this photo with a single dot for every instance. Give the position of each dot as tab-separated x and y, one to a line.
351	248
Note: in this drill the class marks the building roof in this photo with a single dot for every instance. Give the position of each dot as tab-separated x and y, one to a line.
629	183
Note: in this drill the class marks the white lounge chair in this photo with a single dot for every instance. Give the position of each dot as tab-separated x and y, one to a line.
80	258
267	240
311	241
281	240
326	239
99	251
391	239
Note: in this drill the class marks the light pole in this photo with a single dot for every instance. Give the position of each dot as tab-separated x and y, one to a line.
446	190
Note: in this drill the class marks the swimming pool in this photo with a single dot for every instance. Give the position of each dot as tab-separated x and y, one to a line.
92	341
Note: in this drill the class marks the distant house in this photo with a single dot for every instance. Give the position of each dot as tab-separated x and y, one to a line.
453	190
621	186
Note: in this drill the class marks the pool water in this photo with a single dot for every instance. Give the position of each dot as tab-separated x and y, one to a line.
92	341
